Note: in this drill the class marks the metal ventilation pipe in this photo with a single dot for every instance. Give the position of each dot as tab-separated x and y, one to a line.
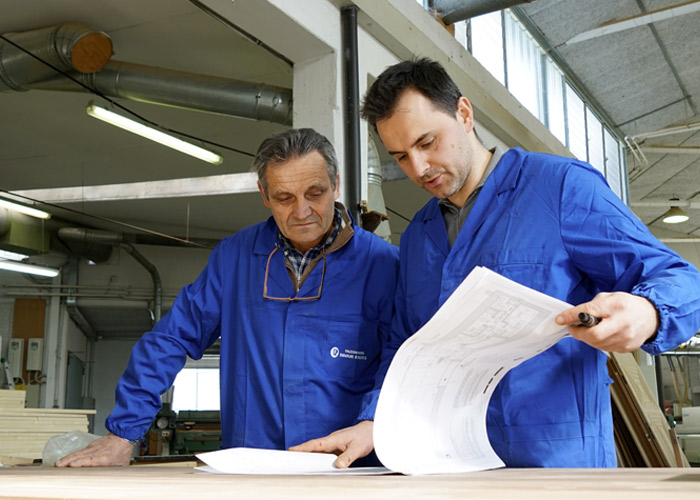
375	197
452	11
184	90
84	52
157	286
71	46
93	236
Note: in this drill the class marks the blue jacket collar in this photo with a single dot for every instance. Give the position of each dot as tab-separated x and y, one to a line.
505	177
502	180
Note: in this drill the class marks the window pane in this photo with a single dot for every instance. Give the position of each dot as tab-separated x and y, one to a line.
595	141
555	101
623	174
196	389
524	67
461	33
576	121
487	43
612	163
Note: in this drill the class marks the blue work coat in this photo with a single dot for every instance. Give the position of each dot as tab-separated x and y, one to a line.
552	224
290	371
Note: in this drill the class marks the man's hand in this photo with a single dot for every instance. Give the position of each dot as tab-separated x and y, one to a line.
109	450
628	321
349	444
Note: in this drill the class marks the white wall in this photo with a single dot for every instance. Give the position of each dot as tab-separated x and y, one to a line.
111	358
689	251
123	275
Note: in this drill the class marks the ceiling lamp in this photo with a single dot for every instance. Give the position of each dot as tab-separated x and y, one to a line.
675	214
151	133
19	267
10	205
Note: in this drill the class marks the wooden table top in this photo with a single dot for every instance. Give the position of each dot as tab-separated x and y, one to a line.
148	482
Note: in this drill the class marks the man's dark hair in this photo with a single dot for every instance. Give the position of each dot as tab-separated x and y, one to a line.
424	75
290	144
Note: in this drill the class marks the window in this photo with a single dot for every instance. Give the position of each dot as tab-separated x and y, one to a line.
576	121
612	163
524	67
554	92
487	43
461	34
196	389
596	155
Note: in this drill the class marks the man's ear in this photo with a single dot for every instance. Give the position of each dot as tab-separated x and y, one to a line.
465	114
262	193
337	187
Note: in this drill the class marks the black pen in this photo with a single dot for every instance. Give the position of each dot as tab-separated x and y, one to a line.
586	319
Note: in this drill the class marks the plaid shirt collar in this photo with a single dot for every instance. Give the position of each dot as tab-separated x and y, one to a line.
298	260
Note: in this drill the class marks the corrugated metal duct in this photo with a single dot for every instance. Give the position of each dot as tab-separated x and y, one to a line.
76	48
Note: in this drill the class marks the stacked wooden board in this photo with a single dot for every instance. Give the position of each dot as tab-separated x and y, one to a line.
643	436
24	431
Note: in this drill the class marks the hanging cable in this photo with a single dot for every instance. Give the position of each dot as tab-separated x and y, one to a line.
396	213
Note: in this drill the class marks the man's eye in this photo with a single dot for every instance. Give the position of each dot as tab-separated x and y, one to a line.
427	144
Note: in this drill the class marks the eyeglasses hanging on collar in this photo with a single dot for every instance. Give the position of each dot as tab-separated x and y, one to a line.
292	299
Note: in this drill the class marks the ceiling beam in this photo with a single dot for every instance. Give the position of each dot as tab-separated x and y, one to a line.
638	20
674	150
688	127
666	204
173	188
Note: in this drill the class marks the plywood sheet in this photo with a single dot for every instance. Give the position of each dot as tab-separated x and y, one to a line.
174	483
647	435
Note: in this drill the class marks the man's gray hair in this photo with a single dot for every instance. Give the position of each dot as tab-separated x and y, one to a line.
289	144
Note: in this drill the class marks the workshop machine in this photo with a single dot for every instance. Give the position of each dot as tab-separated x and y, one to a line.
184	433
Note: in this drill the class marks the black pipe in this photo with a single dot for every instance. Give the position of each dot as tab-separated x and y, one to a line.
351	107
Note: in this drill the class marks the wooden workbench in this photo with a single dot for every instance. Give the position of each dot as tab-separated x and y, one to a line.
145	482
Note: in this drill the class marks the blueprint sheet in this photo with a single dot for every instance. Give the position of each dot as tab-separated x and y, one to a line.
431	414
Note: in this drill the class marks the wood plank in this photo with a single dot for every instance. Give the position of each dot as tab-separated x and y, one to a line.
640	413
175	483
46	411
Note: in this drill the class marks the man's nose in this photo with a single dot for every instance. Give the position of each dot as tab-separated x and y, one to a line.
302	209
418	163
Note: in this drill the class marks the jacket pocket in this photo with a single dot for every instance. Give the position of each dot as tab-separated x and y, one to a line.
352	348
522	265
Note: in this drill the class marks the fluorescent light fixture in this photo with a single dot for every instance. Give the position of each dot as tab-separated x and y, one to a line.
4	254
149	132
39	214
18	267
675	215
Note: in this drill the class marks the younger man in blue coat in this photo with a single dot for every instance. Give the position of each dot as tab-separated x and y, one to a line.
547	222
302	304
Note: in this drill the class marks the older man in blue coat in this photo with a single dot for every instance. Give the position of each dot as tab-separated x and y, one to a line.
302	303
